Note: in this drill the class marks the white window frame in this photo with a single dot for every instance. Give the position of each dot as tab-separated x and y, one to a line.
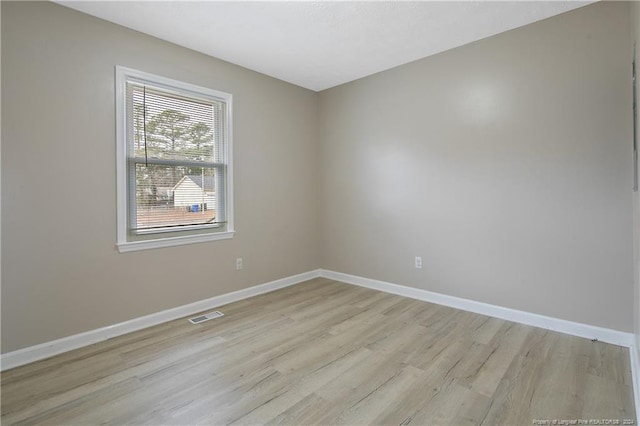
188	235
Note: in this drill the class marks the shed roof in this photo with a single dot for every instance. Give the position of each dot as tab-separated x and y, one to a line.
209	181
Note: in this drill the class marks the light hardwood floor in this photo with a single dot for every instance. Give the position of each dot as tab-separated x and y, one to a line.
324	352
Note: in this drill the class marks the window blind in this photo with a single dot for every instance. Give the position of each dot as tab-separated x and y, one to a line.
176	159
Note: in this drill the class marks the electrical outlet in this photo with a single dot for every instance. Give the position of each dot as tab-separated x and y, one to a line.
418	262
238	264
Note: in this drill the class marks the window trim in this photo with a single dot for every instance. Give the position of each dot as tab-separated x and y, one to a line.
122	74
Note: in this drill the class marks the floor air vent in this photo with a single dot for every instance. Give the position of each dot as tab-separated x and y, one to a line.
205	317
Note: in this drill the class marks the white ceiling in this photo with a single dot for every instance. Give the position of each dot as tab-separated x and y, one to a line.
321	44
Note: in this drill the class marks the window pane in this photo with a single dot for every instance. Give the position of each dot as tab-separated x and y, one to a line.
173	196
169	126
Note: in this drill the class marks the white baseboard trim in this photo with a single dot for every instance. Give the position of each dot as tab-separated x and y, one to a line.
607	335
55	347
569	327
65	344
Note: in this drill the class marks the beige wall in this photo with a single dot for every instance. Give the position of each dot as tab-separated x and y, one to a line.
505	164
61	273
635	37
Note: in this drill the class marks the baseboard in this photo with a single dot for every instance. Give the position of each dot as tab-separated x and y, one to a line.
55	347
607	335
568	327
46	350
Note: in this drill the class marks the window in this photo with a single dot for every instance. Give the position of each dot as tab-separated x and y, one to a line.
174	162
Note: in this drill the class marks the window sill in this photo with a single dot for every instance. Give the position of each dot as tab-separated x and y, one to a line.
173	241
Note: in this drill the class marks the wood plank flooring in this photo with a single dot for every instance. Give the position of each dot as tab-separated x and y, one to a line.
324	352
